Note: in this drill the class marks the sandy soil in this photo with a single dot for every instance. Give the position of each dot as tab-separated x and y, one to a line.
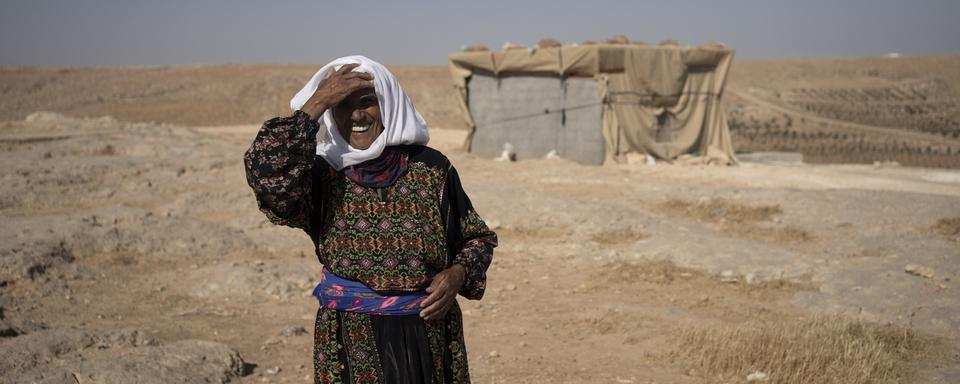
135	252
151	228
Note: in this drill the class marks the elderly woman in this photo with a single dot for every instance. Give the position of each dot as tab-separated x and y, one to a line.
390	222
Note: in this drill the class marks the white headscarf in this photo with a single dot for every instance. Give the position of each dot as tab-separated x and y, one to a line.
402	124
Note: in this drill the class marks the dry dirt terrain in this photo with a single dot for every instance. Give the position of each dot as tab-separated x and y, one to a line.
849	110
205	95
133	251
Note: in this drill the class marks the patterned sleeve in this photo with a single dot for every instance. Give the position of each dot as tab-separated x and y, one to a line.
469	241
279	167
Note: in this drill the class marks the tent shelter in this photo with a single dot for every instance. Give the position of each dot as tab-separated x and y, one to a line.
596	103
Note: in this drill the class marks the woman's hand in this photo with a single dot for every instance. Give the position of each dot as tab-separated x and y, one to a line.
443	292
337	86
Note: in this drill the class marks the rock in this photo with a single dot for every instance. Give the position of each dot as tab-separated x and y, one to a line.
188	361
14	328
552	155
511	287
126	337
293	330
31	353
494	353
728	276
32	260
649	160
508	153
757	376
272	371
919	270
45	117
123	356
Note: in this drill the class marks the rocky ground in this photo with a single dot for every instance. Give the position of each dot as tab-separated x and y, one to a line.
134	252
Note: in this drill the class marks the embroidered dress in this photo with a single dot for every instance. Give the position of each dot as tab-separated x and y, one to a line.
391	239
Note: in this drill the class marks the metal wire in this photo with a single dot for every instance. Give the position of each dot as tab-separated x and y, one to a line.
650	95
544	113
584	106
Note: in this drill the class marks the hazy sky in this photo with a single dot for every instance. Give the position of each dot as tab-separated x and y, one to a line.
140	32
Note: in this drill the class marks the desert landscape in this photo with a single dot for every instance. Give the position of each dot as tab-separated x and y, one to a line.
132	250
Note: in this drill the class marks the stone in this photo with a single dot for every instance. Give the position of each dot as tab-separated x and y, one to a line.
757	376
130	358
508	153
32	260
728	276
293	330
919	270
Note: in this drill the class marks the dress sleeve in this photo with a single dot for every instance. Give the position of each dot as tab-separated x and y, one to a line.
280	165
469	241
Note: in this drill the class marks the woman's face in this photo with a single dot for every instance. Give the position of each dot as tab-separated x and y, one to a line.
358	118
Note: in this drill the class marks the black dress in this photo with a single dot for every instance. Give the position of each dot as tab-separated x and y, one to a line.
392	239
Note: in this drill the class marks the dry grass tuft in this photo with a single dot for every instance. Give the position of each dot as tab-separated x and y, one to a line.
751	222
609	322
784	234
821	349
723	210
652	271
618	236
949	227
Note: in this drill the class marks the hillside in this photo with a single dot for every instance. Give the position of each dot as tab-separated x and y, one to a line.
858	110
195	95
846	110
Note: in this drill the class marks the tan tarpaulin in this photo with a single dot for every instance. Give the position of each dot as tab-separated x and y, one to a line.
658	100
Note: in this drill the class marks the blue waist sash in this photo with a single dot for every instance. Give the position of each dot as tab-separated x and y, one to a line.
335	292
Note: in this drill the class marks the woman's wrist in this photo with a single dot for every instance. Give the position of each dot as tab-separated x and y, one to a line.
461	272
314	109
317	104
